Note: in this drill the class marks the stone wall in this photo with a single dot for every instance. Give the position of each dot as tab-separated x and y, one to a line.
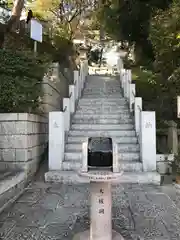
23	139
55	86
163	145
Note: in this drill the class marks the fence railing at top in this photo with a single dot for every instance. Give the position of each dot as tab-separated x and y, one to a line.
59	122
144	120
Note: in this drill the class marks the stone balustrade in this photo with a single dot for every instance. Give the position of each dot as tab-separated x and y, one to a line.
145	121
59	121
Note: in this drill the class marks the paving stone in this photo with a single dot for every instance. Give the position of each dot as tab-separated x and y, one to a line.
123	218
50	201
35	217
82	224
32	195
68	215
20	233
152	229
121	200
60	211
6	227
56	231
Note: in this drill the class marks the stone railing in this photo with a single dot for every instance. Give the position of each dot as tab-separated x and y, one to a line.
59	121
145	126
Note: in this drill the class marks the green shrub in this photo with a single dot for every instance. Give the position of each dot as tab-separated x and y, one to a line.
20	77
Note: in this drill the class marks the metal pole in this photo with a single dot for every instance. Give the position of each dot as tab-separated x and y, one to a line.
35	48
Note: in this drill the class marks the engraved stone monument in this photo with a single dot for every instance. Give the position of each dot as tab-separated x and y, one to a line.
100	166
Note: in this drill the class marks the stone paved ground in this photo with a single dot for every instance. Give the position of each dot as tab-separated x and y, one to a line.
57	212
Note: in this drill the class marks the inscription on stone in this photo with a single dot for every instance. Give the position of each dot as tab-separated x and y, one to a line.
101	191
148	125
101	211
101	202
55	125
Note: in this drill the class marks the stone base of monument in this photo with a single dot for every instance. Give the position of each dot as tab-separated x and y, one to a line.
86	236
101	206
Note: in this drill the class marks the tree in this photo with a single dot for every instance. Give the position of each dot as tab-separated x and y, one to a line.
164	36
15	16
131	20
64	16
165	39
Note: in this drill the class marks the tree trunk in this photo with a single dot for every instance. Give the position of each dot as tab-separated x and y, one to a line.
16	14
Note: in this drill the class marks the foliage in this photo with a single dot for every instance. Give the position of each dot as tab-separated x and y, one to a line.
63	16
130	20
149	88
20	75
164	35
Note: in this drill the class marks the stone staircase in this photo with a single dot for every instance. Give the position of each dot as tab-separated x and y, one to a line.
103	111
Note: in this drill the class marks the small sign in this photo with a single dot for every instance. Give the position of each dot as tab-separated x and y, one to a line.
178	106
36	30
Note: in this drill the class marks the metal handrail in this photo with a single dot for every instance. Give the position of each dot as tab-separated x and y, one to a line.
65	109
139	108
133	94
70	95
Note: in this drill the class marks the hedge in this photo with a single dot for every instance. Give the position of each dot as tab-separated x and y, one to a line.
20	77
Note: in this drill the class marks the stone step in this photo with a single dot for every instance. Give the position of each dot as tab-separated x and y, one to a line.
104	104
101	133
121	147
127	177
77	156
103	107
12	184
102	90
102	94
126	166
81	139
124	115
93	88
102	121
99	88
103	111
102	127
109	97
103	100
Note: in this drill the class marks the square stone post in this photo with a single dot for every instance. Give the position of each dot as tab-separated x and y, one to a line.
132	95
66	109
115	157
72	98
122	76
76	83
137	114
56	140
128	84
172	137
148	140
80	80
85	156
125	79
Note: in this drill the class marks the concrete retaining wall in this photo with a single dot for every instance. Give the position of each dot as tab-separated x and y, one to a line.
23	138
